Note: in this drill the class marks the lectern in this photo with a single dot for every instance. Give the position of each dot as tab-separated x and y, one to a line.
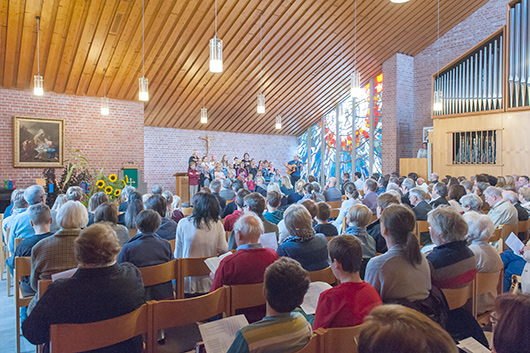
182	186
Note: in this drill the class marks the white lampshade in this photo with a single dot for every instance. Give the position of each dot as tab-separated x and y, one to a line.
204	116
278	122
216	55
105	110
399	1
38	88
261	104
144	90
356	90
437	105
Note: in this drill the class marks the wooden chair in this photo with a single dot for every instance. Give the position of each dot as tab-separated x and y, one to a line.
71	338
191	266
522	226
132	232
334	204
458	297
157	274
501	233
181	312
22	268
227	235
344	197
343	339
421	227
516	284
8	254
173	243
43	286
334	213
313	346
361	192
244	296
325	275
187	211
3	257
374	218
344	225
486	282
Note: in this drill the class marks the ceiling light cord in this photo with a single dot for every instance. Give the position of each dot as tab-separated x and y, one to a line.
143	41
260	53
203	105
437	39
38	45
215	19
355	35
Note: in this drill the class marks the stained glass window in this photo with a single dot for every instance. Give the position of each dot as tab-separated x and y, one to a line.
344	114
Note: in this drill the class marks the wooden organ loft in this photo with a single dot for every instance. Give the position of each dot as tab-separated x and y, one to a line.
484	121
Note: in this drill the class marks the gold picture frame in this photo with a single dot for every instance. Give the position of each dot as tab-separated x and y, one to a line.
38	142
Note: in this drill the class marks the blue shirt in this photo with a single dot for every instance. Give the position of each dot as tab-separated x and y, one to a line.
168	229
21	228
296	172
312	253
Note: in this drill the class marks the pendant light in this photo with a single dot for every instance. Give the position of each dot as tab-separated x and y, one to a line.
261	97
437	105
204	113
356	90
278	122
143	94
38	83
216	50
104	101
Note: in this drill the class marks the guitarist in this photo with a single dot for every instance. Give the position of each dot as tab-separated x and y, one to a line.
294	168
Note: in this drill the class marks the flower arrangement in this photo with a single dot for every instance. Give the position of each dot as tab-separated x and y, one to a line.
111	185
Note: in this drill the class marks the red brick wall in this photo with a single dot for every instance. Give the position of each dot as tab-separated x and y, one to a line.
167	150
403	121
111	140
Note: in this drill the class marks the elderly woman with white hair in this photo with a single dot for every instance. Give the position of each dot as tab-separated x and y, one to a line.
56	253
471	202
480	230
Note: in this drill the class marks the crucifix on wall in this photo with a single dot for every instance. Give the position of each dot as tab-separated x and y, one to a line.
208	138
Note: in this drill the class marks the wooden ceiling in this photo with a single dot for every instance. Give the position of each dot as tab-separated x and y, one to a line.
308	53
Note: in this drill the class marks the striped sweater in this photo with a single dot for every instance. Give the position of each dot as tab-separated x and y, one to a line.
283	333
453	265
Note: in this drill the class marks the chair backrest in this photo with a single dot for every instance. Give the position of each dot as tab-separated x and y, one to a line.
99	334
325	275
246	296
374	218
487	283
191	266
344	197
181	312
343	339
458	297
343	225
132	232
173	243
313	346
43	286
158	274
227	235
17	241
22	268
334	213
522	226
421	227
334	204
187	211
361	192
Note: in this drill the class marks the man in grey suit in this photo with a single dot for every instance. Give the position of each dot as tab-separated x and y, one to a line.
331	193
421	208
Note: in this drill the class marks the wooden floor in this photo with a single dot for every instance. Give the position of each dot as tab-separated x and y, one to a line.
7	324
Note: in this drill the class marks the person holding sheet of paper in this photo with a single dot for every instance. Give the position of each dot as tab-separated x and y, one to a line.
282	330
248	264
348	303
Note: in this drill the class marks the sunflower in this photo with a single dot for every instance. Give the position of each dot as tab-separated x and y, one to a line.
117	192
108	190
113	178
124	184
100	184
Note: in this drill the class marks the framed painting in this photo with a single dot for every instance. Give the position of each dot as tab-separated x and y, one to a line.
38	143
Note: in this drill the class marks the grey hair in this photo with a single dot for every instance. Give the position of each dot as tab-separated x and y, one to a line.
448	222
126	191
472	201
511	196
72	215
215	185
408	183
393	186
146	197
168	196
176	204
34	194
396	193
15	193
227	183
74	193
316	185
419	193
39	214
480	226
157	189
249	226
18	200
59	201
493	191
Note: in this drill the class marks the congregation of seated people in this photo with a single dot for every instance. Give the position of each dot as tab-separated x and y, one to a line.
388	275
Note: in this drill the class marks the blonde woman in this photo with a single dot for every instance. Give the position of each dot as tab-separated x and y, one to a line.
286	186
296	196
310	250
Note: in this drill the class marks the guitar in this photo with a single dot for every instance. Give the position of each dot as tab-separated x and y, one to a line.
290	168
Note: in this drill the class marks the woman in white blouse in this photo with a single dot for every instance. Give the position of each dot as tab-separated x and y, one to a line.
199	235
351	192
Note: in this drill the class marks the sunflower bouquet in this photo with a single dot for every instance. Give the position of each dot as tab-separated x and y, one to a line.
111	186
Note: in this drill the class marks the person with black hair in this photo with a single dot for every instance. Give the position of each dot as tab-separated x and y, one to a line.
201	234
403	271
286	283
168	227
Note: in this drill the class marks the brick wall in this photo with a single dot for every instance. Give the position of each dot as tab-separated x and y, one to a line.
413	87
167	150
111	140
